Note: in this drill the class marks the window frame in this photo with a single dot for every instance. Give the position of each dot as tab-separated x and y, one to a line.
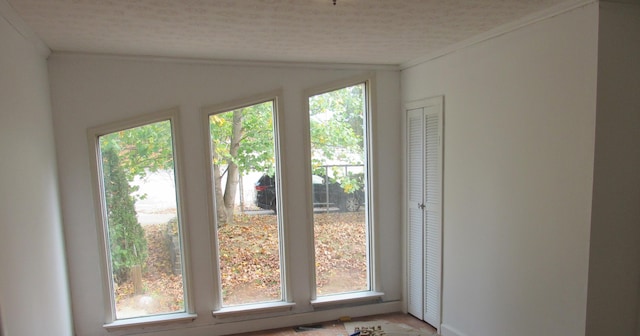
286	303
93	134
374	293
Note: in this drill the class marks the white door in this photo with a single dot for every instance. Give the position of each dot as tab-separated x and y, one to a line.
415	201
424	209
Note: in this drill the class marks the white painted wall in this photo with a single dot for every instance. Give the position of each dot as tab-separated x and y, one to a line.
89	91
34	297
614	267
518	155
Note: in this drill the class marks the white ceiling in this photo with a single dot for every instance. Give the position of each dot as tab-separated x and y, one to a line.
353	31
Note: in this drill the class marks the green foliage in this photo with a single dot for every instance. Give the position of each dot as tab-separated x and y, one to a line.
351	182
241	141
337	127
126	237
256	142
127	154
337	135
143	149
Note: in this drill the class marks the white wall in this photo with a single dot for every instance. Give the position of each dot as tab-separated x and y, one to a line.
89	91
518	157
34	298
614	267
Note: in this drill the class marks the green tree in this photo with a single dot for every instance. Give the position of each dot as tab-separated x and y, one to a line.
126	237
337	134
336	126
241	141
142	150
127	154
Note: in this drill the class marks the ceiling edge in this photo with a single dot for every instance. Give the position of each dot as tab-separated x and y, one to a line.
206	61
500	30
11	16
629	2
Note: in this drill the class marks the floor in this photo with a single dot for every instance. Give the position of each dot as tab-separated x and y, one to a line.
336	328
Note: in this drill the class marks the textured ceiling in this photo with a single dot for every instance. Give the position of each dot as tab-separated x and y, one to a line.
352	31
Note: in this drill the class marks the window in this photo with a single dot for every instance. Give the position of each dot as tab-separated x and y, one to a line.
245	189
338	134
139	202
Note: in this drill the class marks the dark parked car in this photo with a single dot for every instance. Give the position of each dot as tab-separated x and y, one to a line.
325	194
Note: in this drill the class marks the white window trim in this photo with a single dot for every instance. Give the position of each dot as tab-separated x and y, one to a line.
105	265
150	320
375	289
346	298
258	308
286	303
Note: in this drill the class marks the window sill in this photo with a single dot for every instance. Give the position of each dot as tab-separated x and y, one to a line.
332	300
261	308
150	320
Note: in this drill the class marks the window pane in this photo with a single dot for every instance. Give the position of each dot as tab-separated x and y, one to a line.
243	160
139	193
339	174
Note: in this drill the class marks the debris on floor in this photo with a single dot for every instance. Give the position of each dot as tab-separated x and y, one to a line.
307	327
368	331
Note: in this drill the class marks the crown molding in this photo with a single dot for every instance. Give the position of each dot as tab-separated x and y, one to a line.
501	30
223	62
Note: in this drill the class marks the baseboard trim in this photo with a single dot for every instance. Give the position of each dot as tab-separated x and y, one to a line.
310	317
447	330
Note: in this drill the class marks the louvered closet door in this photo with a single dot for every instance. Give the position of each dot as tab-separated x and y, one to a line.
432	216
424	207
415	191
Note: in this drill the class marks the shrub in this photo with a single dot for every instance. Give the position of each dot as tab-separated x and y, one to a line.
126	236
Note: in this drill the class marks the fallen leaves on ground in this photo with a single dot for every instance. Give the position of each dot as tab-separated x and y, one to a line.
249	261
341	252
